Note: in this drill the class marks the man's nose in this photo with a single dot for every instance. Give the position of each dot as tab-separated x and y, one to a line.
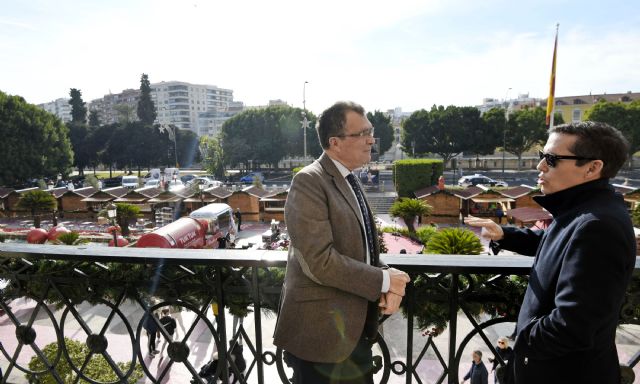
542	165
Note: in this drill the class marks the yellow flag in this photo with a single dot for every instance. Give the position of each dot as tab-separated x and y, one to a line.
552	84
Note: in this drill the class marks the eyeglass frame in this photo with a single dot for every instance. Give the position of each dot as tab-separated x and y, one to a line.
364	133
552	160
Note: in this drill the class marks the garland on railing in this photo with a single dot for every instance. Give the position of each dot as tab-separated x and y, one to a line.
493	295
89	281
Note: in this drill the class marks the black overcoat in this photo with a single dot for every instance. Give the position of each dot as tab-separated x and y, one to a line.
583	265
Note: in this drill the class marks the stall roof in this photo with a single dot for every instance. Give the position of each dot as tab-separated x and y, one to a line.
431	190
519	191
529	214
469	192
86	191
255	191
219	192
116	191
4	192
149	191
492	200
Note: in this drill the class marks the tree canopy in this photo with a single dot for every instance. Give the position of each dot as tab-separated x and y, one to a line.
34	144
78	106
526	128
383	129
146	108
624	116
266	136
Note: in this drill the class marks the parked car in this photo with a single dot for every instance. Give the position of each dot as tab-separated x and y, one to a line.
130	182
112	182
208	182
152	183
175	185
476	179
248	178
187	178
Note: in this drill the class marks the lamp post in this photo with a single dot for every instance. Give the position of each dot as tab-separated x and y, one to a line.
201	188
504	130
112	212
305	122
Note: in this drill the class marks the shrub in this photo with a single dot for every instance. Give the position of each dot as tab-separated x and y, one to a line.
96	369
455	241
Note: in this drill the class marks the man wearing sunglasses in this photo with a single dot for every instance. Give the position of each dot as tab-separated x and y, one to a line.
583	261
335	285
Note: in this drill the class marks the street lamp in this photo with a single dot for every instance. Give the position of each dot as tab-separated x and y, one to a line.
201	188
305	122
504	130
112	212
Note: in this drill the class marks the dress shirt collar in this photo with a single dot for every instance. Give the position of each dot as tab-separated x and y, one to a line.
344	171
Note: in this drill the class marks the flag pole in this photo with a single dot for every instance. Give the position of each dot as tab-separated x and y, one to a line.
552	84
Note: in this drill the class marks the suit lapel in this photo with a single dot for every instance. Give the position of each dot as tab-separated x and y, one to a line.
341	185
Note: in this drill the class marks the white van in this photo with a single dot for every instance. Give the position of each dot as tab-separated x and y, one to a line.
220	218
130	182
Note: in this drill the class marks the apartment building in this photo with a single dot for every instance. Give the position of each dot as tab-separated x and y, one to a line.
117	107
573	108
59	107
196	107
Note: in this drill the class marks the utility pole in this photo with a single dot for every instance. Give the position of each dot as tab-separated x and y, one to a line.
305	122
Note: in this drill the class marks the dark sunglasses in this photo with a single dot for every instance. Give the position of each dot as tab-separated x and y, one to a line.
551	159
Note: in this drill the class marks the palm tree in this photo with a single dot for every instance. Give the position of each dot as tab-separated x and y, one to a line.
408	209
126	212
37	201
455	241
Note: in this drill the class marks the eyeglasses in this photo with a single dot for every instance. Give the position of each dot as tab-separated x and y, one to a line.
500	342
551	159
365	133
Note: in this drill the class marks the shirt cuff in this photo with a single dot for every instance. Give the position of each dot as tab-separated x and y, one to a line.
386	281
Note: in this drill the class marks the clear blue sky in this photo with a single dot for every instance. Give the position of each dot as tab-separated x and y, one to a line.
409	54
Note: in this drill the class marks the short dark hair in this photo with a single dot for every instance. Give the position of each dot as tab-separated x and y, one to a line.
597	141
479	353
333	119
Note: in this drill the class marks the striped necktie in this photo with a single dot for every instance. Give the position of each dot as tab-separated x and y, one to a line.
365	216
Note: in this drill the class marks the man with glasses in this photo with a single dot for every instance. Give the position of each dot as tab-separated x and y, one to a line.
583	261
335	285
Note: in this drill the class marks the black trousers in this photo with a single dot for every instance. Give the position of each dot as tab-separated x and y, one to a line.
356	369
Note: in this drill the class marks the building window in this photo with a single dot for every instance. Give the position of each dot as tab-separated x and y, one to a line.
576	115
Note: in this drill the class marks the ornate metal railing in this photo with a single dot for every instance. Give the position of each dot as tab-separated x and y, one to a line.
54	285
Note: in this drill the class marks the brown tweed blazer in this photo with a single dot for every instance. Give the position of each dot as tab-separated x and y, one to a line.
328	283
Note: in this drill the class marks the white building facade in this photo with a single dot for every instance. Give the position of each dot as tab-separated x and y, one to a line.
197	107
59	107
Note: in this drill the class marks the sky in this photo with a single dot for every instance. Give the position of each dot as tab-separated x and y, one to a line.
382	54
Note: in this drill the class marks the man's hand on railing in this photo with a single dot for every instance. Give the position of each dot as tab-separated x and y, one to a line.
398	280
490	230
389	303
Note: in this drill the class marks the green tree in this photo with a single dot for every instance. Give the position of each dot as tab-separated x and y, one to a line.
408	209
267	135
37	202
126	113
383	129
486	132
97	367
146	109
443	131
454	241
212	156
94	119
34	142
78	135
624	116
78	107
125	213
525	129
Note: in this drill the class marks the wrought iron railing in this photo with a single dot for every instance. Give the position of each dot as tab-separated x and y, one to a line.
52	284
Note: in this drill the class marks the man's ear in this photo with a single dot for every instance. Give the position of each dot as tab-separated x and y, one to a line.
595	169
